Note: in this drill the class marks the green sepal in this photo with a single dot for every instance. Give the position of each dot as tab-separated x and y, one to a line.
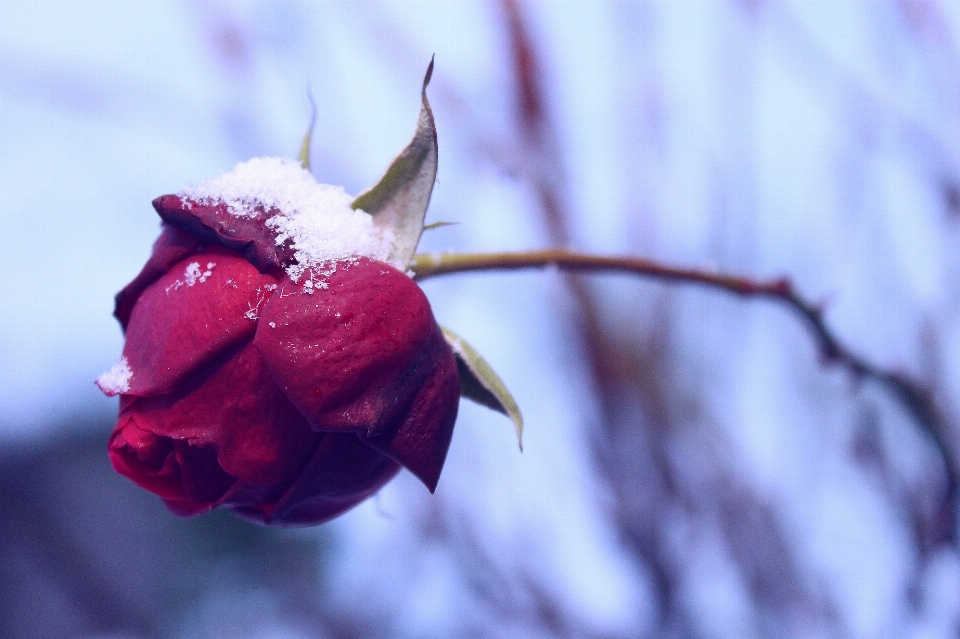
437	225
479	383
398	202
304	155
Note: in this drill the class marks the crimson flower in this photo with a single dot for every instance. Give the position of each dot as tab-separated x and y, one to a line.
279	360
267	367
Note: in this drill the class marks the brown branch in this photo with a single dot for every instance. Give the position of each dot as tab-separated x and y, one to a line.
911	395
430	265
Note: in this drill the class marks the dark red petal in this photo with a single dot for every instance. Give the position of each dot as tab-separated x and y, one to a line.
145	458
233	406
260	498
214	222
350	356
188	478
176	326
421	441
186	508
341	473
173	245
203	480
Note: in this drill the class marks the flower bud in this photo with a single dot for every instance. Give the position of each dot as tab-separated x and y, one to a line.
275	362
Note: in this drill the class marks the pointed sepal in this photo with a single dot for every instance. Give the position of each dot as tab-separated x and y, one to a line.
438	225
398	202
479	383
304	155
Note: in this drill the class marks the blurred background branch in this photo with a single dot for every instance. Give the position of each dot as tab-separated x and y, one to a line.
914	398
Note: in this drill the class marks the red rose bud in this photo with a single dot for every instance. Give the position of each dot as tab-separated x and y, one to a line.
274	362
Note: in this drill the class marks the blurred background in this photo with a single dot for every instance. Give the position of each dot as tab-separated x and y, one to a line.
692	467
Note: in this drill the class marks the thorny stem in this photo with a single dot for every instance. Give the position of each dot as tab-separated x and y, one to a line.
908	393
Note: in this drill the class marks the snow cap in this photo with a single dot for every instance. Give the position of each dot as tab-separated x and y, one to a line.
315	219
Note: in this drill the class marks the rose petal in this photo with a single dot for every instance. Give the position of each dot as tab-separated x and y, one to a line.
173	245
421	442
215	223
260	498
187	508
341	473
145	458
349	356
183	320
203	480
186	476
234	406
